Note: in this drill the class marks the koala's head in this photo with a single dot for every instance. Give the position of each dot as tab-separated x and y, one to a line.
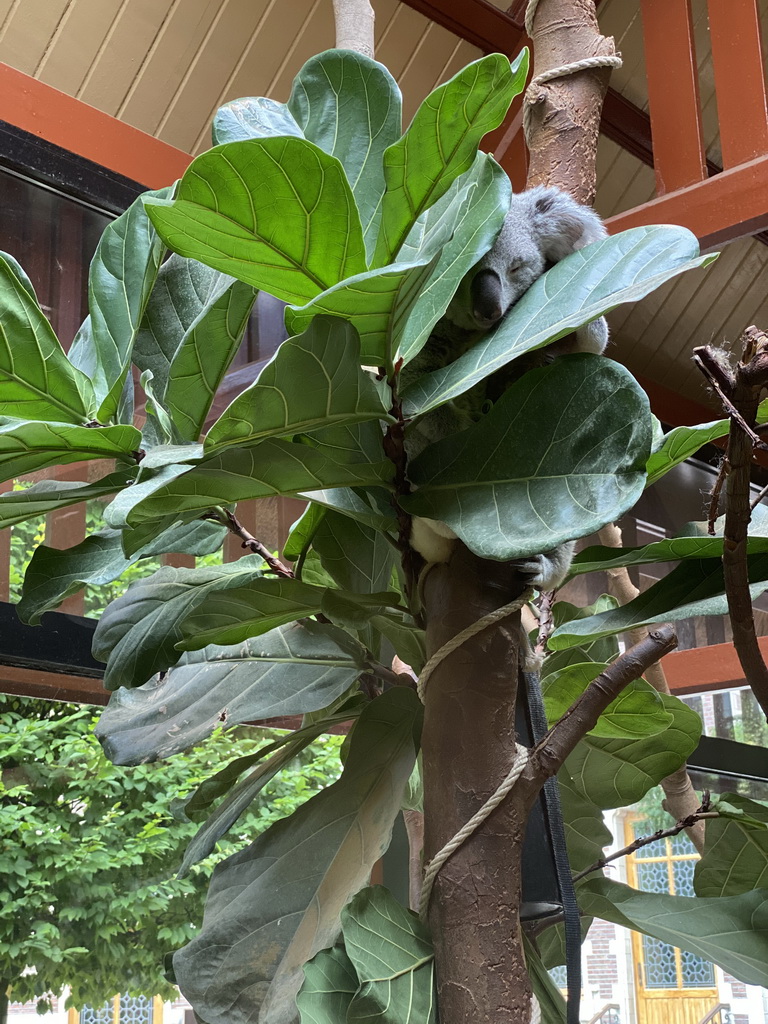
543	226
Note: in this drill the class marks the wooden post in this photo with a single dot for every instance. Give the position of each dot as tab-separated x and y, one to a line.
673	94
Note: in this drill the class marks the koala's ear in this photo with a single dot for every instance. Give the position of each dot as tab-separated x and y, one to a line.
487	298
563	225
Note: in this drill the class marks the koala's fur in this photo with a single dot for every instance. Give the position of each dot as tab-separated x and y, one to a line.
542	227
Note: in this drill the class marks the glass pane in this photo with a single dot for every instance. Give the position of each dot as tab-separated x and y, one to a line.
682	875
682	845
653	877
135	1010
657	849
697	973
659	960
53	238
101	1015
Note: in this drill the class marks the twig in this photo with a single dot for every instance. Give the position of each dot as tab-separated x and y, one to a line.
548	755
724	386
234	526
663	833
714	498
741	403
759	497
546	620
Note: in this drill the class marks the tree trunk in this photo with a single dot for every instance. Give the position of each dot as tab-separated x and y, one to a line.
468	745
564	114
469	736
354	25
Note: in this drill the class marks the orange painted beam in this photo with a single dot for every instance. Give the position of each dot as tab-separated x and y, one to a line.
673	94
737	57
721	209
90	133
706	668
27	682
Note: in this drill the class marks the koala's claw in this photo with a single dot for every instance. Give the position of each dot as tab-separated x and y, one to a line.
546	571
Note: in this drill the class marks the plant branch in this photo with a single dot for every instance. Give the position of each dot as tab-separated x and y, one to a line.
689	821
234	526
740	394
548	755
680	799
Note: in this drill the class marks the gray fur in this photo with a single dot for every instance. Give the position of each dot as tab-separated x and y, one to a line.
542	227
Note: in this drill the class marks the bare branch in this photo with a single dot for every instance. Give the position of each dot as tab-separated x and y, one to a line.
549	754
741	402
234	526
689	821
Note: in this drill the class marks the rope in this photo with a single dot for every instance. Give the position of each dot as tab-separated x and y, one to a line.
432	869
606	60
521	755
466	634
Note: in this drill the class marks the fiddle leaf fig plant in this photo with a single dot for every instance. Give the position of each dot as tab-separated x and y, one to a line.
366	232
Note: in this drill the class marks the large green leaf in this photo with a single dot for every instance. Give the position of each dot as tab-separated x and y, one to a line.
603	650
192	327
350	106
313	381
26	445
272	467
474	207
560	454
615	773
638	711
693	541
229	617
441	143
377	303
330	982
683	442
137	633
273	905
276	213
695	587
245	792
121	277
36	378
372	506
50	495
54	574
583	286
391	951
204	356
735	858
731	931
290	671
585	831
358	557
253	117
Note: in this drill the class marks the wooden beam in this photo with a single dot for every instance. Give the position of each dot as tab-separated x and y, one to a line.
706	668
476	21
673	94
718	210
737	57
90	133
32	682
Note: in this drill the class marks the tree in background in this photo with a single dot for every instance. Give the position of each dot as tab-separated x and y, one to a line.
90	851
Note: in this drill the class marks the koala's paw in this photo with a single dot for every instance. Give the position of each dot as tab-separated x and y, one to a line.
546	571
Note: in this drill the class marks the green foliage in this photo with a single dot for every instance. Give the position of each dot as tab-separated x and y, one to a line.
89	850
367	232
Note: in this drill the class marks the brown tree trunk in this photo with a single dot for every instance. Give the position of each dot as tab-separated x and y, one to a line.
563	115
468	745
469	737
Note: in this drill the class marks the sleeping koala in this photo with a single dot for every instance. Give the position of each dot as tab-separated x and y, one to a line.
543	226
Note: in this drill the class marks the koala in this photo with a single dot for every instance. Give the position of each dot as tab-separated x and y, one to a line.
542	227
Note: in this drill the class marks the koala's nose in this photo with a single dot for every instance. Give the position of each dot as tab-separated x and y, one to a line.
487	302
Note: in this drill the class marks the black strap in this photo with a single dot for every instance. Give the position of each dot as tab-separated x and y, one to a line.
553	810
